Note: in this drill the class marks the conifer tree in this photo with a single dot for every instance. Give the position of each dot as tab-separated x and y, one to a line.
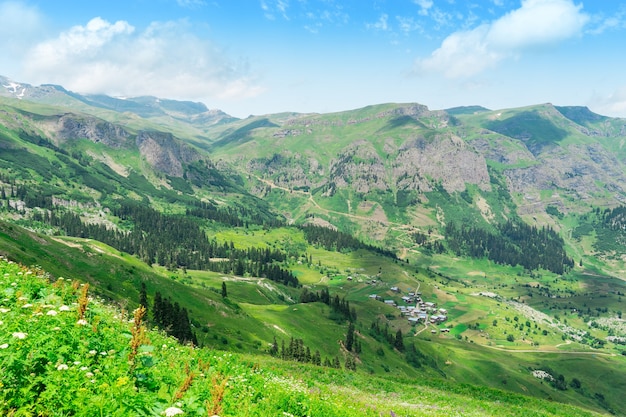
350	337
399	342
143	296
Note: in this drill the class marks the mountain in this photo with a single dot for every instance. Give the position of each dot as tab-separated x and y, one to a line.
289	234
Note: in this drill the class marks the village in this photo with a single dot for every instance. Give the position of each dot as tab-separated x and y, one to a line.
415	309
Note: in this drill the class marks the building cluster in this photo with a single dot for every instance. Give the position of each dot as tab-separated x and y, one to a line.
416	309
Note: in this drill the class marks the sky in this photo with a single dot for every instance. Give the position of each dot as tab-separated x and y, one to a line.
255	57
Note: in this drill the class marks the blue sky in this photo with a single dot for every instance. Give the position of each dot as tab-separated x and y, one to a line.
268	56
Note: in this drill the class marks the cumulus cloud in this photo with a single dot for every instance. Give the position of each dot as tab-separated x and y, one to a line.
536	23
165	59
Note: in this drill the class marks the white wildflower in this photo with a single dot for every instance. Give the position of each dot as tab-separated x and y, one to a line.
20	335
22	298
89	374
4	310
51	313
27	305
92	352
14	284
172	411
64	308
76	363
82	322
84	368
103	353
4	346
62	367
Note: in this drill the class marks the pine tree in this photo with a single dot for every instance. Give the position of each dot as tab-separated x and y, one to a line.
350	337
274	348
399	341
143	296
224	292
317	358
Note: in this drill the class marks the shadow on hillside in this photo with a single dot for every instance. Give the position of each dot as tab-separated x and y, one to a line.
533	129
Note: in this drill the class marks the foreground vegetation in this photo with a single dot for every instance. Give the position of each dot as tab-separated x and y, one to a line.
64	353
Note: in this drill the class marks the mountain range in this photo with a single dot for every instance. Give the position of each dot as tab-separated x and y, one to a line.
512	221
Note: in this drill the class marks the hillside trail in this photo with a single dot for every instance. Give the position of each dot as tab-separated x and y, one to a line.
317	206
556	352
401	228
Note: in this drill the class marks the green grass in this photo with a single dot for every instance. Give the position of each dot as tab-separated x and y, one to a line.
94	368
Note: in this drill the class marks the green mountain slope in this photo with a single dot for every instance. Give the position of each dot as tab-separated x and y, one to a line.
98	362
295	229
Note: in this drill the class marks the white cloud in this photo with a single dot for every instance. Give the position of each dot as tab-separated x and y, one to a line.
165	59
613	105
535	23
615	22
271	7
381	24
424	5
407	24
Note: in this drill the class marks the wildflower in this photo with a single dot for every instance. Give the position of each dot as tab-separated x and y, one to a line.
4	310
172	411
14	284
62	367
92	352
82	322
64	308
19	335
89	375
84	368
103	353
76	363
4	346
51	313
27	305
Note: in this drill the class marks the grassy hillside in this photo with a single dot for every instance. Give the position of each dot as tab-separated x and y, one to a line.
476	351
216	239
99	362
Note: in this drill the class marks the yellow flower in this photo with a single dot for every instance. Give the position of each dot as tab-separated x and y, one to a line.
121	381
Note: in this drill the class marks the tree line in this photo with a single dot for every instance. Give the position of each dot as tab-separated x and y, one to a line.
340	307
168	316
297	351
334	240
173	241
513	243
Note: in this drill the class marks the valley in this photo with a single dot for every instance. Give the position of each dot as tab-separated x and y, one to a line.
292	239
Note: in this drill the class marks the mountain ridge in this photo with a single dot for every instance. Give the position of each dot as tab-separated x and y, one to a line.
509	220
